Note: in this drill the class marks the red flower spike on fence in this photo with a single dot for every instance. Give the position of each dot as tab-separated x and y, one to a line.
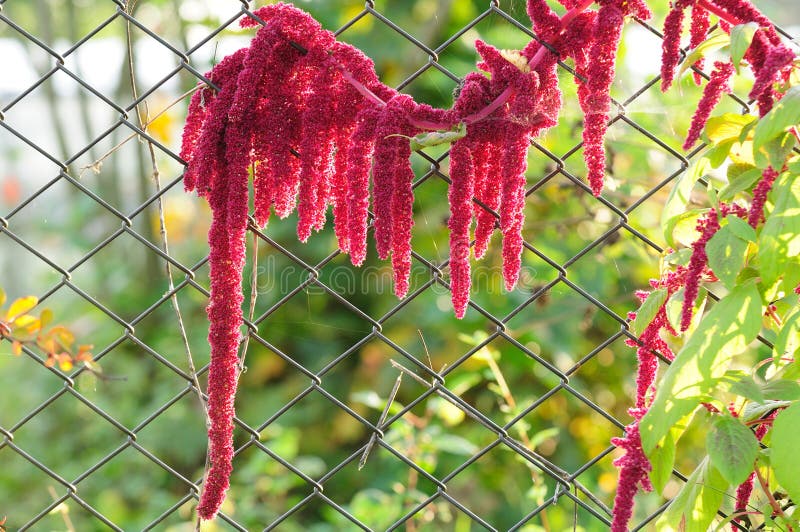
487	158
359	157
512	167
778	58
756	213
600	74
634	470
461	190
718	85
671	45
698	32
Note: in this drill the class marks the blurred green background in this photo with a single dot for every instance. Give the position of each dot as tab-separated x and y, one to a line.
82	229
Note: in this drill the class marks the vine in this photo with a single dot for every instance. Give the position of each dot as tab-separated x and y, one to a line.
311	119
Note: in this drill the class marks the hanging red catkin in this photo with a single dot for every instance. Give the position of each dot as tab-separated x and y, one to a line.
716	87
671	45
359	157
698	32
600	73
460	192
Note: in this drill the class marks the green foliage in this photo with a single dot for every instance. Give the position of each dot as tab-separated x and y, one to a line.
756	272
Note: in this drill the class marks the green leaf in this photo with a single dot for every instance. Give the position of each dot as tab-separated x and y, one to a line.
662	459
726	127
784	114
782	390
746	386
724	332
681	193
774	152
741	228
680	257
682	228
732	448
663	456
756	410
648	310
719	153
741	37
696	505
780	237
715	41
726	254
674	309
785	433
789	336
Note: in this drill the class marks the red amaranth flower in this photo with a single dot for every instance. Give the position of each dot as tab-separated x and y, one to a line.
671	45
462	174
513	165
716	87
634	472
359	156
756	213
600	74
488	168
777	59
699	32
707	226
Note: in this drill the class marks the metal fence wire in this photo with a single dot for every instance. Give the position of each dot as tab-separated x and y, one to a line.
357	410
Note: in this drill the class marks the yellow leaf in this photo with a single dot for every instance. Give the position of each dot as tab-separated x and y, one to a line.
21	306
46	317
16	348
65	362
27	323
64	335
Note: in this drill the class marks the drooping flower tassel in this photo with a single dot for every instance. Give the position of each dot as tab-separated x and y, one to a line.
462	175
716	87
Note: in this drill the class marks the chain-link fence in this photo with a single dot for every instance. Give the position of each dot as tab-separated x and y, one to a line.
356	410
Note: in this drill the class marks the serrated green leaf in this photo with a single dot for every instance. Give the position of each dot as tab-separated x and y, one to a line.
784	114
726	127
780	237
741	228
732	448
724	332
696	505
781	390
648	310
726	254
785	434
741	37
715	41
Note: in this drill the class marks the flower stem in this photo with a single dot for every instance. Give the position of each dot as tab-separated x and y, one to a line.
724	15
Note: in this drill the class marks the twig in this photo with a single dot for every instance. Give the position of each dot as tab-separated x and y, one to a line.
372	439
95	166
63	510
776	508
